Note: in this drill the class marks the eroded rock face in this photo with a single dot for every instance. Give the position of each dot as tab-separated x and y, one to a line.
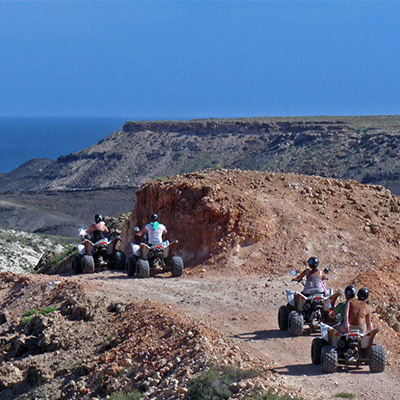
223	213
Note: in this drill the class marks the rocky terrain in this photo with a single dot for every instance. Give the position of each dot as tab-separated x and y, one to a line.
360	148
240	232
22	251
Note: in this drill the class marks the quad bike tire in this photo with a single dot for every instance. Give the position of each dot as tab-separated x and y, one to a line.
329	359
131	266
88	264
295	323
283	316
377	361
76	265
120	260
316	350
177	266
143	268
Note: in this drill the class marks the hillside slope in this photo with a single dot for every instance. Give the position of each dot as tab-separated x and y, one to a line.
268	222
361	148
240	233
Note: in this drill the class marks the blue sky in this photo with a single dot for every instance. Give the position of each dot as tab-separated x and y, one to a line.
199	58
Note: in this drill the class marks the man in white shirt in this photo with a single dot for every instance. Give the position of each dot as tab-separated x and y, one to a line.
154	230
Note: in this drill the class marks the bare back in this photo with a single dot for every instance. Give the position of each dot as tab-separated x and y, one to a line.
359	312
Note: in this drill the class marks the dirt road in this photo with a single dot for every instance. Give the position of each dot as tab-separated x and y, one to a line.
245	310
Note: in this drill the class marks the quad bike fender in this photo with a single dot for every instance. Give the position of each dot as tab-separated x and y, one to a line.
299	301
88	246
112	245
81	249
290	297
331	300
170	249
144	250
368	338
135	249
328	333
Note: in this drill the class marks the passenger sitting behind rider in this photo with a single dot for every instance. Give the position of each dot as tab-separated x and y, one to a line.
154	230
98	229
358	312
339	312
314	278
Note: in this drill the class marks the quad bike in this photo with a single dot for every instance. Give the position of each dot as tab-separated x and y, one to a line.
156	259
349	348
305	309
98	254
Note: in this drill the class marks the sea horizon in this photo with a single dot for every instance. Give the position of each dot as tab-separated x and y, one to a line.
28	137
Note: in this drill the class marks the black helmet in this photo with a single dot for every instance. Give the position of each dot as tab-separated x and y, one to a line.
98	218
363	294
313	262
350	292
154	218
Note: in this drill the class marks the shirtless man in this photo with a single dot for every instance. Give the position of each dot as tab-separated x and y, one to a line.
358	312
99	226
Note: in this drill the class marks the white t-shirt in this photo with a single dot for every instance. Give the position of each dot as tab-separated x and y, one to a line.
155	236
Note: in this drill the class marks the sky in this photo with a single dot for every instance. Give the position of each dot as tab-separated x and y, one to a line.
199	59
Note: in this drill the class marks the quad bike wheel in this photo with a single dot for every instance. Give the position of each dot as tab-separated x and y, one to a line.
177	266
295	323
316	349
131	266
283	318
76	265
329	359
120	260
88	264
378	358
143	268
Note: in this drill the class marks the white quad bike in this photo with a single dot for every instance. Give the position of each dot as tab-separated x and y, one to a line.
97	255
305	309
349	348
156	259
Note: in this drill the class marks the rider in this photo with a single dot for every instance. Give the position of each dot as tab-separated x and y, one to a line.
154	230
99	228
350	292
358	312
314	278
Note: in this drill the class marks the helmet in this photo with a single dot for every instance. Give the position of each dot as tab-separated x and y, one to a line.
154	218
313	262
363	294
350	292
98	218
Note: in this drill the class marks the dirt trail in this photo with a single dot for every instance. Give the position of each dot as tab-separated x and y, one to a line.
245	310
241	232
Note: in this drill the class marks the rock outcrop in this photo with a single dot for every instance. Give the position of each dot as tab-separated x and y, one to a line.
264	221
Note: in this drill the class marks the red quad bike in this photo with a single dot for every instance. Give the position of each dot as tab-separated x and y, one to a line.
349	348
97	255
301	309
155	259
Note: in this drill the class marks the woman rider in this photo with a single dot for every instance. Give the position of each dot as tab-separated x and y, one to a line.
314	278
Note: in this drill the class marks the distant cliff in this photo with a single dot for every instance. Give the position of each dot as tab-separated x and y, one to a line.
361	148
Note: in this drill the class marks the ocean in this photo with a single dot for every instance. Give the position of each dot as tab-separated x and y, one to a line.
22	139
